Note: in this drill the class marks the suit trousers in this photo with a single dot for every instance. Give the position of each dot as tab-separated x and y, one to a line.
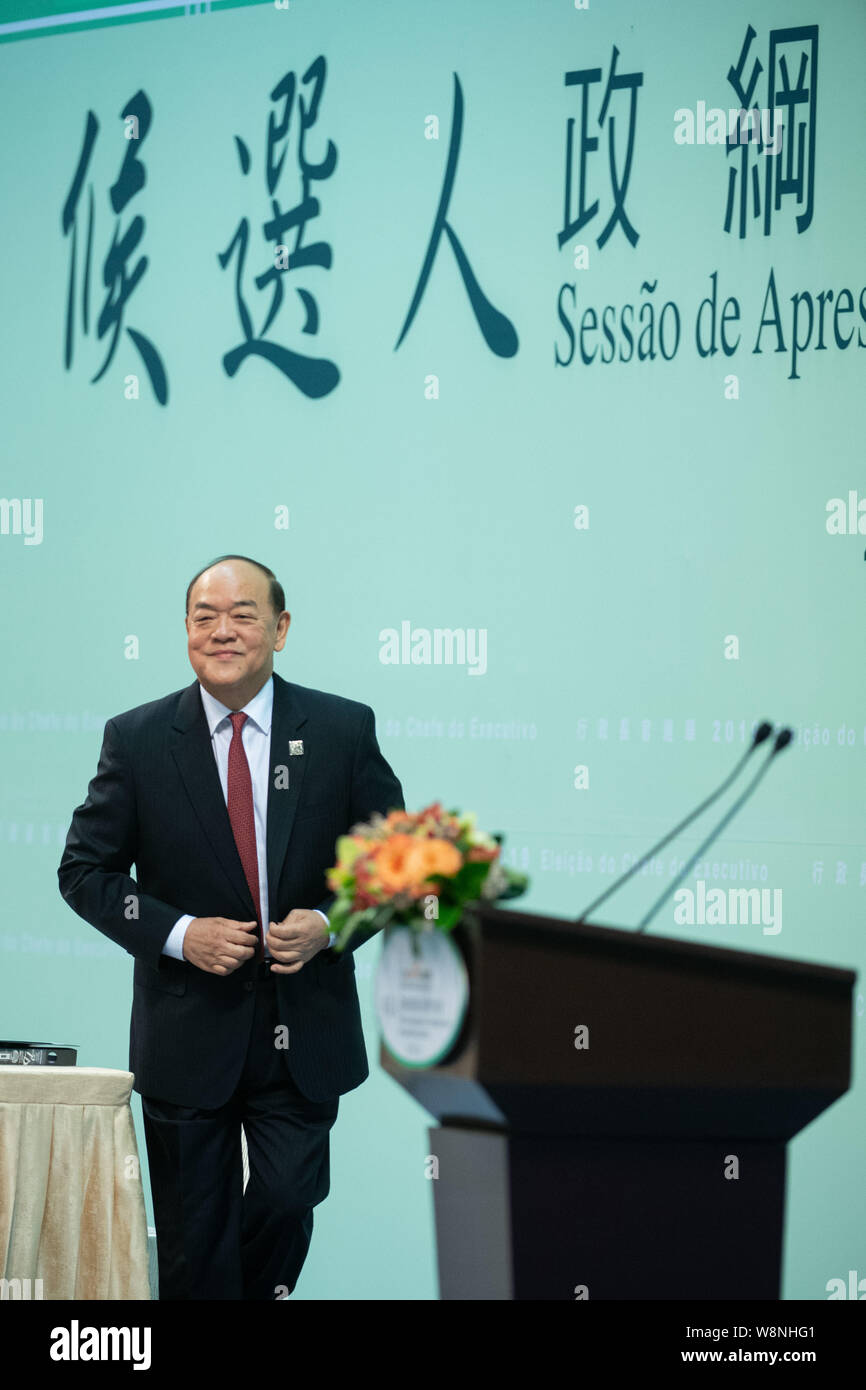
215	1240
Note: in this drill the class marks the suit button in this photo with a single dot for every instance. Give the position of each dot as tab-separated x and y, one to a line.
248	985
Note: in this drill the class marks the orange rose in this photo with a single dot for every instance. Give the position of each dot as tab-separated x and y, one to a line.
405	862
392	861
435	857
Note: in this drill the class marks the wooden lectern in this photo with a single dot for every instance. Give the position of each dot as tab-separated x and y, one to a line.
647	1161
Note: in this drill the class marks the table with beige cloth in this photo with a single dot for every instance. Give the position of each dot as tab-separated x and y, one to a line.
71	1200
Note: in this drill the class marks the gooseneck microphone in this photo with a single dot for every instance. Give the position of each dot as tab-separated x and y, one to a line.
762	733
782	740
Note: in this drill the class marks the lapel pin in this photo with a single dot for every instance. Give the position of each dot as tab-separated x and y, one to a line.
296	747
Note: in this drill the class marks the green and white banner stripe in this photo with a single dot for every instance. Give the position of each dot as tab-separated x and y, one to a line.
30	19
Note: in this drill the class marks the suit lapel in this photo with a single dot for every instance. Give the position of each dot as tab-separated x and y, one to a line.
286	779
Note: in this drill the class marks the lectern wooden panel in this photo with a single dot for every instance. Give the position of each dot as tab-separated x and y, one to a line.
648	1162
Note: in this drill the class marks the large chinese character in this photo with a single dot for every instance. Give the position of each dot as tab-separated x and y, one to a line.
118	279
794	166
314	376
498	331
574	219
785	167
746	176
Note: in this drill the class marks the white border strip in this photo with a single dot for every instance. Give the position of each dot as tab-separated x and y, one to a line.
22	26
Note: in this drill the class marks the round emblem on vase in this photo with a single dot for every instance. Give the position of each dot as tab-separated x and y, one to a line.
421	993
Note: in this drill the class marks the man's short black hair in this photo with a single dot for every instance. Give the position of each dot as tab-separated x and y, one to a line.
277	596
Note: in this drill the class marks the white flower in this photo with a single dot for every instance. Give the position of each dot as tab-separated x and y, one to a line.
496	881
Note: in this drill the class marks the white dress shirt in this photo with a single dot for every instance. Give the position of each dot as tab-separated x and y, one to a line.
256	736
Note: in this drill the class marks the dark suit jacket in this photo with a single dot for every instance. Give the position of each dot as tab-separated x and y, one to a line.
156	800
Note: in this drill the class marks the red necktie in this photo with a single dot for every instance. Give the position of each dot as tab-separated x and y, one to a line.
242	817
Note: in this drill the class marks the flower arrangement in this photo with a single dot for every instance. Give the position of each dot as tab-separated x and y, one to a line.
416	869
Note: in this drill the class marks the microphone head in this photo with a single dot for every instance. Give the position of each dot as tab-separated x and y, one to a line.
762	733
783	739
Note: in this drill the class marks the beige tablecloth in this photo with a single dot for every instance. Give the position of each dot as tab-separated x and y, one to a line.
71	1200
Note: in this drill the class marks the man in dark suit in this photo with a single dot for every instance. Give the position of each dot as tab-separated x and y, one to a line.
229	797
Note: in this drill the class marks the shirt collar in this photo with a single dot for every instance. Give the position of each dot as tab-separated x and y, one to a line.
259	709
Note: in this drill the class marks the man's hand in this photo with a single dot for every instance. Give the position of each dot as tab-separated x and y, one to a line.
295	940
219	945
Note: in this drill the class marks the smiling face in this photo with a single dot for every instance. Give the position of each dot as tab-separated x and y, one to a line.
233	631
